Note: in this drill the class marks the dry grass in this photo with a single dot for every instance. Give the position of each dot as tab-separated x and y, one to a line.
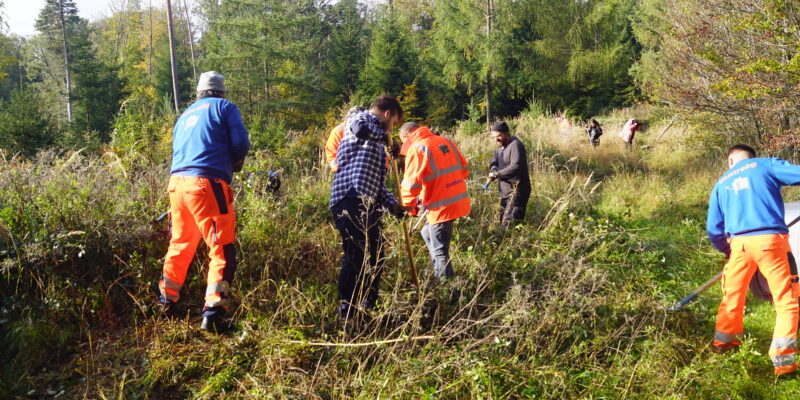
567	305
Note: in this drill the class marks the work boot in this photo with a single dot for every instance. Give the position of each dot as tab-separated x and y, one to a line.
368	304
344	310
167	308
216	324
784	371
214	320
454	294
724	348
352	318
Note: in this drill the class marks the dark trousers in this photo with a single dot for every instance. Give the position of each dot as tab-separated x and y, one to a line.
513	208
359	226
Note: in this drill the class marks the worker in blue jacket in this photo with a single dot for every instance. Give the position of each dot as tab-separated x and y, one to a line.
209	144
746	223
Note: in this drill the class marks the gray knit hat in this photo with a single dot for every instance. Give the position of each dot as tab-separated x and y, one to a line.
211	81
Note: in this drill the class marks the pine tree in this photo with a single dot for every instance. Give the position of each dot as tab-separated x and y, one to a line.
346	55
24	126
270	53
66	62
467	46
58	22
392	60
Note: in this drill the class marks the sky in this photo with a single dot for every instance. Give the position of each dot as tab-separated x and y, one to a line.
21	14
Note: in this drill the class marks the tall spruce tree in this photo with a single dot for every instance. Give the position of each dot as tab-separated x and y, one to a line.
392	62
66	62
346	49
468	46
269	51
58	21
24	125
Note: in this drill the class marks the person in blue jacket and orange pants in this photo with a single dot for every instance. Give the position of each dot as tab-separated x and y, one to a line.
746	223
209	144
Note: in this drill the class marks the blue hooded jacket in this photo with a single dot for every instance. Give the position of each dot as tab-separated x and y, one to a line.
208	139
747	200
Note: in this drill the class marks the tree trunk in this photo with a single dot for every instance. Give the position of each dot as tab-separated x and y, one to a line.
150	57
191	38
66	60
173	63
118	39
489	15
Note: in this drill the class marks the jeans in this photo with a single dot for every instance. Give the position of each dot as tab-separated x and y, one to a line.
437	238
362	263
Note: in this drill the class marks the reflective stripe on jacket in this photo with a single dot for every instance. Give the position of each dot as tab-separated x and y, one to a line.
436	171
332	145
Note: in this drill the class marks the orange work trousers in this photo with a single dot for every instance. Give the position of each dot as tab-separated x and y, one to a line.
771	255
201	208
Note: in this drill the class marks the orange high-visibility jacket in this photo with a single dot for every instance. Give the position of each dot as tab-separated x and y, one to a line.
436	171
332	145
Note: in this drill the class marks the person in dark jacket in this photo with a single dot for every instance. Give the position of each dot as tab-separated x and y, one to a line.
595	131
209	144
510	167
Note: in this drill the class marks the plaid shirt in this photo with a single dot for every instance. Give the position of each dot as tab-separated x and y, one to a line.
362	161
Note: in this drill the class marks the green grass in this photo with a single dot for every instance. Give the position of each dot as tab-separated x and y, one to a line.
570	304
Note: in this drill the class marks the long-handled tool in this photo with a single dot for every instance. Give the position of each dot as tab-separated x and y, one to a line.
411	266
420	219
486	185
689	298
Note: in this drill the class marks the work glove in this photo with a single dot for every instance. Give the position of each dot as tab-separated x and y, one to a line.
398	210
493	175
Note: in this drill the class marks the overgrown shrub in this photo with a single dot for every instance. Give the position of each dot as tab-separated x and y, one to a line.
568	304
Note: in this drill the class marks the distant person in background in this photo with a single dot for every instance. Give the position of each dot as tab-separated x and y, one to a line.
510	167
209	144
746	223
335	137
595	131
628	132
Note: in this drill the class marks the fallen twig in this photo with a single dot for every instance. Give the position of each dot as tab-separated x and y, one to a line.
365	344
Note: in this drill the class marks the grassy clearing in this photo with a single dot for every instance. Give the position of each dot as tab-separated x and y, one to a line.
570	304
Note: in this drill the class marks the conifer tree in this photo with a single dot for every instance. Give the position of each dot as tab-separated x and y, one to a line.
392	61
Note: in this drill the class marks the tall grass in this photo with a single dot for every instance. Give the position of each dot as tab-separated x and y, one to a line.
569	304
